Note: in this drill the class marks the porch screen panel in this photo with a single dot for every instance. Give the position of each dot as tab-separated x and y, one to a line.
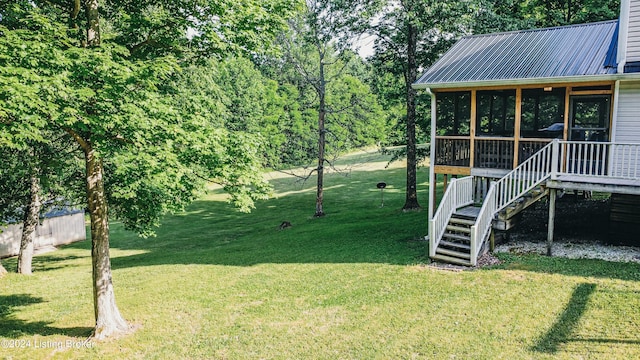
496	113
454	113
453	123
542	113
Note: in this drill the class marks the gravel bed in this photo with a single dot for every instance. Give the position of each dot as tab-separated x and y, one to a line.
582	231
574	250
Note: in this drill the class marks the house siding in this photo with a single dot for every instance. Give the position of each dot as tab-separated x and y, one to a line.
633	39
53	231
626	160
628	117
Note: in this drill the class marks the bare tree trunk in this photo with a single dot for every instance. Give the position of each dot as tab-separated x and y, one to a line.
411	201
322	111
108	319
29	225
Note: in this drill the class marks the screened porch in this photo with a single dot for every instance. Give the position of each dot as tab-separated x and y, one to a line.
499	129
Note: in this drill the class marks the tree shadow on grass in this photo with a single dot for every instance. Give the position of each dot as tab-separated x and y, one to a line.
567	322
46	262
14	328
564	329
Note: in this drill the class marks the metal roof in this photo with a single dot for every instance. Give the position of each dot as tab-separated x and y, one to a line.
561	52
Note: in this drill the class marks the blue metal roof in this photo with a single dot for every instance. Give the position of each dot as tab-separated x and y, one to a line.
566	51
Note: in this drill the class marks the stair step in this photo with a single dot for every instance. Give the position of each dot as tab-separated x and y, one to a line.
453	253
455	244
462	221
451	260
451	236
458	229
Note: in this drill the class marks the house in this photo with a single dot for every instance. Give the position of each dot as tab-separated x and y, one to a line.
518	116
59	226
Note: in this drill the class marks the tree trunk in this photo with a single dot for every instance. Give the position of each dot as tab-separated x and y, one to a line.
3	271
411	201
93	23
322	111
29	225
108	319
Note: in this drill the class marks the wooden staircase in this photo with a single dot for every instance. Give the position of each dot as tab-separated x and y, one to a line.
508	217
455	246
458	231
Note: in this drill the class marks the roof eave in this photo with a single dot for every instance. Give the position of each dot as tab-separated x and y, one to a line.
526	81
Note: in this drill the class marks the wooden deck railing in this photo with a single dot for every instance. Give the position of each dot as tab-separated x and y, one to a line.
528	147
599	159
493	153
488	153
458	194
453	150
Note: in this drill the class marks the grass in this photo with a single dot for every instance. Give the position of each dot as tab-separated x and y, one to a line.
219	284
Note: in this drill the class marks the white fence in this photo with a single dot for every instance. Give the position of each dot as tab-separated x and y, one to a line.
51	231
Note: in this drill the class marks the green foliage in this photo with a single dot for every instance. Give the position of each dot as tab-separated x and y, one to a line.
159	141
353	115
216	28
547	13
355	119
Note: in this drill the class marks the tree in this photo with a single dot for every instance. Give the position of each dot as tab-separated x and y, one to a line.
142	156
36	177
547	13
319	47
411	34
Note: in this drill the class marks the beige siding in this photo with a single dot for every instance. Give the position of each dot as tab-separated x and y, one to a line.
628	119
625	160
633	40
51	232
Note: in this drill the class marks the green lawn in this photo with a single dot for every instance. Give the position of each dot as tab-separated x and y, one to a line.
220	284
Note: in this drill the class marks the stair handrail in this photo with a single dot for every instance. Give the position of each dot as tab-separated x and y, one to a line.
531	173
459	193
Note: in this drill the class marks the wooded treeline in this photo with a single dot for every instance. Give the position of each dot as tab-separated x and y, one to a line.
129	108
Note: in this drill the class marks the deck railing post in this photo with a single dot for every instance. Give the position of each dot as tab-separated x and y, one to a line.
473	250
432	238
555	149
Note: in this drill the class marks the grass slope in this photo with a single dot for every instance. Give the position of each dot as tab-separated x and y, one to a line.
219	284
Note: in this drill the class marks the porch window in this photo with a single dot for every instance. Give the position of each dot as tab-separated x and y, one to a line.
454	113
496	113
542	113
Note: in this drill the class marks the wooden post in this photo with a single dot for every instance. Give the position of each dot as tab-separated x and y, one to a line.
432	163
445	182
472	129
552	215
516	130
492	241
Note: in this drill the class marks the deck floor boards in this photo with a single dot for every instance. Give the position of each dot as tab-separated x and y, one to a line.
470	211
